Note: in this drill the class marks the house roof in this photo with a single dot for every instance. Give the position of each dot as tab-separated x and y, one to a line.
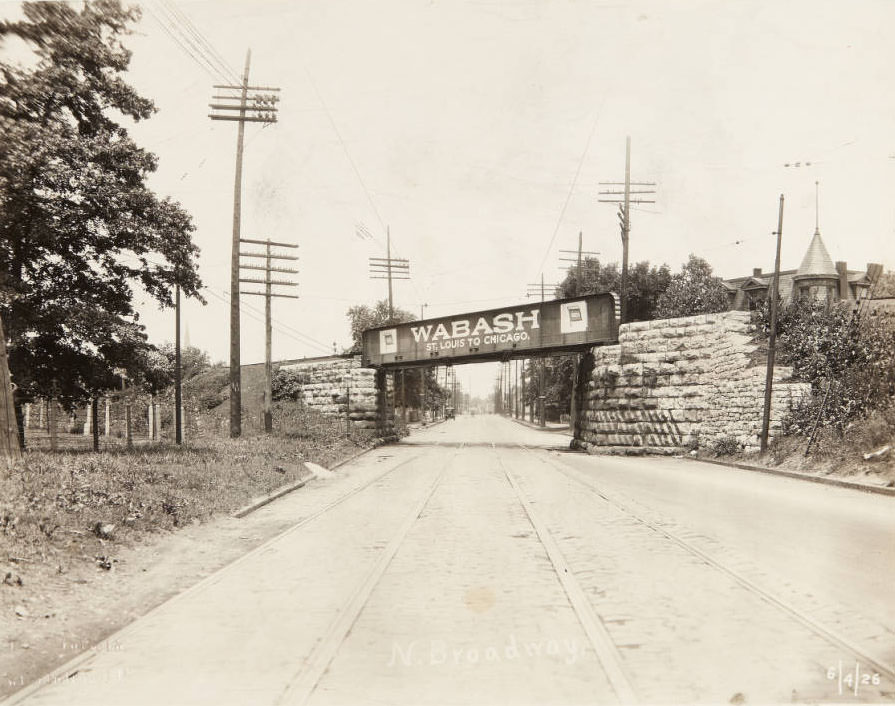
817	261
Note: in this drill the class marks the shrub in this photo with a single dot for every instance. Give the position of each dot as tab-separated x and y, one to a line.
286	384
848	357
725	446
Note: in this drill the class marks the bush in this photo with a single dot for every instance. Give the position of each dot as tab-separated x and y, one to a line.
725	446
848	357
286	384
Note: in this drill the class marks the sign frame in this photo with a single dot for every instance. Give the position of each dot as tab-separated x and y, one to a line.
528	330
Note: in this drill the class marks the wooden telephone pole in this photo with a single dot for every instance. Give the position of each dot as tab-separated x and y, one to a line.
391	268
772	338
533	291
268	294
624	215
577	256
262	108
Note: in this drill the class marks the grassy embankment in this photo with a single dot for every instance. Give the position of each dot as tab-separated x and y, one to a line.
56	509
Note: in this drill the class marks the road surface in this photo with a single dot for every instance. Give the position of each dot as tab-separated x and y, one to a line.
480	562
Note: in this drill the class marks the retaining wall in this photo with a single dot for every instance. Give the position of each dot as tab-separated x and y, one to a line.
339	385
673	383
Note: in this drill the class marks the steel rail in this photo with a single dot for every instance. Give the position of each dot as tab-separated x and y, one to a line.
807	621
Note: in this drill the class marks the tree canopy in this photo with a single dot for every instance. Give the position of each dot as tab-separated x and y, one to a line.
79	226
645	284
363	316
693	290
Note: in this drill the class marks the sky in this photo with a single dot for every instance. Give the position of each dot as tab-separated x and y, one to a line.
477	133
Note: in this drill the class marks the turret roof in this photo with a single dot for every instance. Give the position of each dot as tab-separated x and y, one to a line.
817	261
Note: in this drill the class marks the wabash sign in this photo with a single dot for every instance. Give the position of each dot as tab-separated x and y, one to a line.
516	331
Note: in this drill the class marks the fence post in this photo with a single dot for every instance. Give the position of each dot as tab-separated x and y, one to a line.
128	431
94	427
51	421
88	418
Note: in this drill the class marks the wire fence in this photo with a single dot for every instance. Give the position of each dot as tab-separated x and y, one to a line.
125	420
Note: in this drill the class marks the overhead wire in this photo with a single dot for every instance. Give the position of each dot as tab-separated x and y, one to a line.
202	62
174	28
209	49
574	184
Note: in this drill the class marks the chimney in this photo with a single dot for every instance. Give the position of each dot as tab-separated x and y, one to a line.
844	293
756	272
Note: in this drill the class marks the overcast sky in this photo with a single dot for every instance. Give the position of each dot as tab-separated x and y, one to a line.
478	132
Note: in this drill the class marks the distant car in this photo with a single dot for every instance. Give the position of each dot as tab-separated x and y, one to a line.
449	413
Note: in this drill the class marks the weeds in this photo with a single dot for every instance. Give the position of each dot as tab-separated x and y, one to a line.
51	504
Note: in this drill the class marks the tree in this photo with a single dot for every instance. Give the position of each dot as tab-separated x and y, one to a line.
79	227
645	284
693	290
364	316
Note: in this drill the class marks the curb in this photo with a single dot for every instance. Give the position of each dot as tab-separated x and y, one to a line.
263	500
824	480
555	430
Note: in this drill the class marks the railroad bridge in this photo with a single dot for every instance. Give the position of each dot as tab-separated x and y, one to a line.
654	386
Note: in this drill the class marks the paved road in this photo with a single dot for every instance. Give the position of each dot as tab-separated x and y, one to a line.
478	562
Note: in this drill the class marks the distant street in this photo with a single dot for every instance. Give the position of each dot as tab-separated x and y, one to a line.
480	562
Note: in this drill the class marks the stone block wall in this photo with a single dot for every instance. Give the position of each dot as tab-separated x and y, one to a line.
674	383
336	385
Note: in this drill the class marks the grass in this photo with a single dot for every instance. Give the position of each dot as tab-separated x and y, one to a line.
61	507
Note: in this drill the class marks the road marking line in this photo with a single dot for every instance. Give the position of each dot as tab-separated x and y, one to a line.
807	621
607	653
305	681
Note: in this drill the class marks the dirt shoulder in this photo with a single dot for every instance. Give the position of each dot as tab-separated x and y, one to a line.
844	464
68	587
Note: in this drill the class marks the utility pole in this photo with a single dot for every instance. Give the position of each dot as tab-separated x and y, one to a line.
577	256
624	215
262	109
423	372
772	338
390	268
268	294
534	290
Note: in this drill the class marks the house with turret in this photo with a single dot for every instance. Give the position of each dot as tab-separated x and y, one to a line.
817	277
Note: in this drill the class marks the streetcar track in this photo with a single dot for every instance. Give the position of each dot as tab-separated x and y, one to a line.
305	681
59	674
815	626
607	652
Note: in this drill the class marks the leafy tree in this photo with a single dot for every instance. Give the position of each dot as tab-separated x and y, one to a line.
693	290
363	317
645	284
79	227
193	361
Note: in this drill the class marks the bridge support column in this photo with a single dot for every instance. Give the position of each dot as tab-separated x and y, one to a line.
385	421
584	368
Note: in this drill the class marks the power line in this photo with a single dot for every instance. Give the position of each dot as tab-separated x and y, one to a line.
257	315
202	61
357	174
565	205
210	51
